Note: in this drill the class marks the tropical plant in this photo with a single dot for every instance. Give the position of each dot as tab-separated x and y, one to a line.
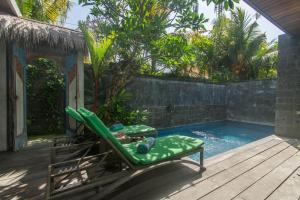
264	65
173	54
240	49
51	11
45	88
202	47
235	49
139	23
98	49
116	111
245	42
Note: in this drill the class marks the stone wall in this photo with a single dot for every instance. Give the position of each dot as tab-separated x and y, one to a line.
251	101
173	103
288	92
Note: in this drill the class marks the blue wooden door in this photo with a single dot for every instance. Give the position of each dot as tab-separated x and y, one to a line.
71	84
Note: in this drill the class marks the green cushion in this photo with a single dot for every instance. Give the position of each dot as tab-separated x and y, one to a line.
74	114
102	131
165	148
137	129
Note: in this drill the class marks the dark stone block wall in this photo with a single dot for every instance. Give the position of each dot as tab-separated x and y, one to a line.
174	103
251	101
288	92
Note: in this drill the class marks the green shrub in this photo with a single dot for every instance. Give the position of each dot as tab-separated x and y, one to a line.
45	90
116	110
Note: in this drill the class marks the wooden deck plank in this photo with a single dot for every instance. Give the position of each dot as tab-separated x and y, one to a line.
23	175
162	185
241	183
226	176
240	157
289	190
268	184
228	154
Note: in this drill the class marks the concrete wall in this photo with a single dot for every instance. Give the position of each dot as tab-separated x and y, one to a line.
288	92
3	97
173	103
251	101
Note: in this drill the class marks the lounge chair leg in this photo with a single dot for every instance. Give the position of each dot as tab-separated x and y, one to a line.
202	168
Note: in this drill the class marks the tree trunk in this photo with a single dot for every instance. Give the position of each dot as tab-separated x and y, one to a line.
96	94
153	64
122	74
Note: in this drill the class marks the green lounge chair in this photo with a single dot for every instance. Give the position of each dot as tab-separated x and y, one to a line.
78	144
138	131
73	134
166	150
130	131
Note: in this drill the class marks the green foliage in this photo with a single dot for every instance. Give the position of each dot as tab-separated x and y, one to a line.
173	52
50	11
227	3
241	47
234	50
139	23
98	49
99	54
45	88
117	111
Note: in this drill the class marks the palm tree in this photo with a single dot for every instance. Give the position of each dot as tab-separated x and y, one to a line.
98	50
51	11
244	42
265	62
219	36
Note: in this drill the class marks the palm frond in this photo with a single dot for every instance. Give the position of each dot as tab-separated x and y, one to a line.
98	49
50	11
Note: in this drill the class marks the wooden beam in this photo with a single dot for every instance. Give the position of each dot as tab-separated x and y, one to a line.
263	13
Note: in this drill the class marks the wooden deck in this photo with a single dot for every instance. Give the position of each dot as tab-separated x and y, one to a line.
23	174
266	169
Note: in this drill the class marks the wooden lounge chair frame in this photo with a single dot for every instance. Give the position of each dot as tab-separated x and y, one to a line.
64	149
102	185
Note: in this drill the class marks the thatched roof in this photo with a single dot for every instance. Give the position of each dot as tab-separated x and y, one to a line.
31	33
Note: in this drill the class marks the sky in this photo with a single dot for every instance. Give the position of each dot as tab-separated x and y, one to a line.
80	13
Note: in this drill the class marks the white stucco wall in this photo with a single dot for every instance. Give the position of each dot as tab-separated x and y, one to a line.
3	98
20	105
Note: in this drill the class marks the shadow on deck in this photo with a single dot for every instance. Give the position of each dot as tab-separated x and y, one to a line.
266	169
23	174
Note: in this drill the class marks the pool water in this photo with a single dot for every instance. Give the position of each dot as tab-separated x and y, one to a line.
221	136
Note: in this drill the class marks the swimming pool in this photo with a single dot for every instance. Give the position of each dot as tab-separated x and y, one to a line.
221	136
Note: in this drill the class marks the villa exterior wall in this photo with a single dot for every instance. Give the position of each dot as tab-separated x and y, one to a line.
174	103
288	92
251	101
